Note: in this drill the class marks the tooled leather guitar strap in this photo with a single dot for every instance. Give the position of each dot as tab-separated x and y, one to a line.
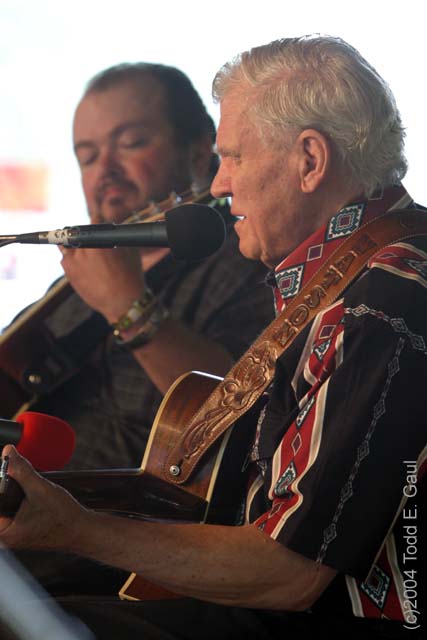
252	374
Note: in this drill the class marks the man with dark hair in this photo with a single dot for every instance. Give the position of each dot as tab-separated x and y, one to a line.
138	319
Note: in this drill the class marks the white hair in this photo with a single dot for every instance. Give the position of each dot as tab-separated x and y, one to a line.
323	83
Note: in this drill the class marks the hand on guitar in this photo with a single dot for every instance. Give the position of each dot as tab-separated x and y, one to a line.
198	560
108	280
48	517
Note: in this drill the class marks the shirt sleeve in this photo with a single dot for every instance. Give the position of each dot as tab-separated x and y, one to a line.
235	303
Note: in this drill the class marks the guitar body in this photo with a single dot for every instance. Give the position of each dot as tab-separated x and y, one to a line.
211	480
220	481
29	361
14	398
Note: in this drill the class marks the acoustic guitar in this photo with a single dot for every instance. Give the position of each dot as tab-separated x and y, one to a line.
213	494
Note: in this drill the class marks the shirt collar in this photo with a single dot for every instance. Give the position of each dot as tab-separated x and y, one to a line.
299	266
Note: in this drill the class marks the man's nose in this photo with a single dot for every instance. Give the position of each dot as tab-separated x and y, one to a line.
221	186
109	161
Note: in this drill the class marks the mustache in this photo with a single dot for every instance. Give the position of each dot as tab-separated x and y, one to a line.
112	181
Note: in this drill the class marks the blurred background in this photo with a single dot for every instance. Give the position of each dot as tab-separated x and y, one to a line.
49	49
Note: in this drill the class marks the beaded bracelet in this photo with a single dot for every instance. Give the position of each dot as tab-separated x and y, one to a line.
149	327
135	312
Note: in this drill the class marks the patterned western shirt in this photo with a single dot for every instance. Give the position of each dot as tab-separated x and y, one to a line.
344	432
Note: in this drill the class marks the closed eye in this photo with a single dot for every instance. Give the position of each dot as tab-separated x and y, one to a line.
86	154
131	144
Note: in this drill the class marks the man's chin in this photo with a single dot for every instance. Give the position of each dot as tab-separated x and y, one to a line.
249	251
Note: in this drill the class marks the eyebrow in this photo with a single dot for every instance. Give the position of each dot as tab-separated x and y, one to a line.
225	152
117	131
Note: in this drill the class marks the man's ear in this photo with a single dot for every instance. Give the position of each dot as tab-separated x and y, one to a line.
201	152
314	159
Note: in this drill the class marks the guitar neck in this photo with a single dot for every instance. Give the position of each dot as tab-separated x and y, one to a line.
127	492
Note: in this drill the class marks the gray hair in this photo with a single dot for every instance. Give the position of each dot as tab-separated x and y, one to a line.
323	83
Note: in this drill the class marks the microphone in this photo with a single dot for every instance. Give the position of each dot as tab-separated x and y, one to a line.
191	231
46	441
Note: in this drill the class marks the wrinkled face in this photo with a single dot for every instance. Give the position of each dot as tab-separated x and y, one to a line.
126	150
264	182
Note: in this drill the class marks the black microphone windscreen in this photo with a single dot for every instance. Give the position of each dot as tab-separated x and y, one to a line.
195	231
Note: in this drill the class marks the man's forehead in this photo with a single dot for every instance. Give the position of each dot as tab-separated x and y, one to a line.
128	97
119	108
235	106
234	126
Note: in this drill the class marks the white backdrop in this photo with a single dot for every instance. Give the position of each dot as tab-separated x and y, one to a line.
49	49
